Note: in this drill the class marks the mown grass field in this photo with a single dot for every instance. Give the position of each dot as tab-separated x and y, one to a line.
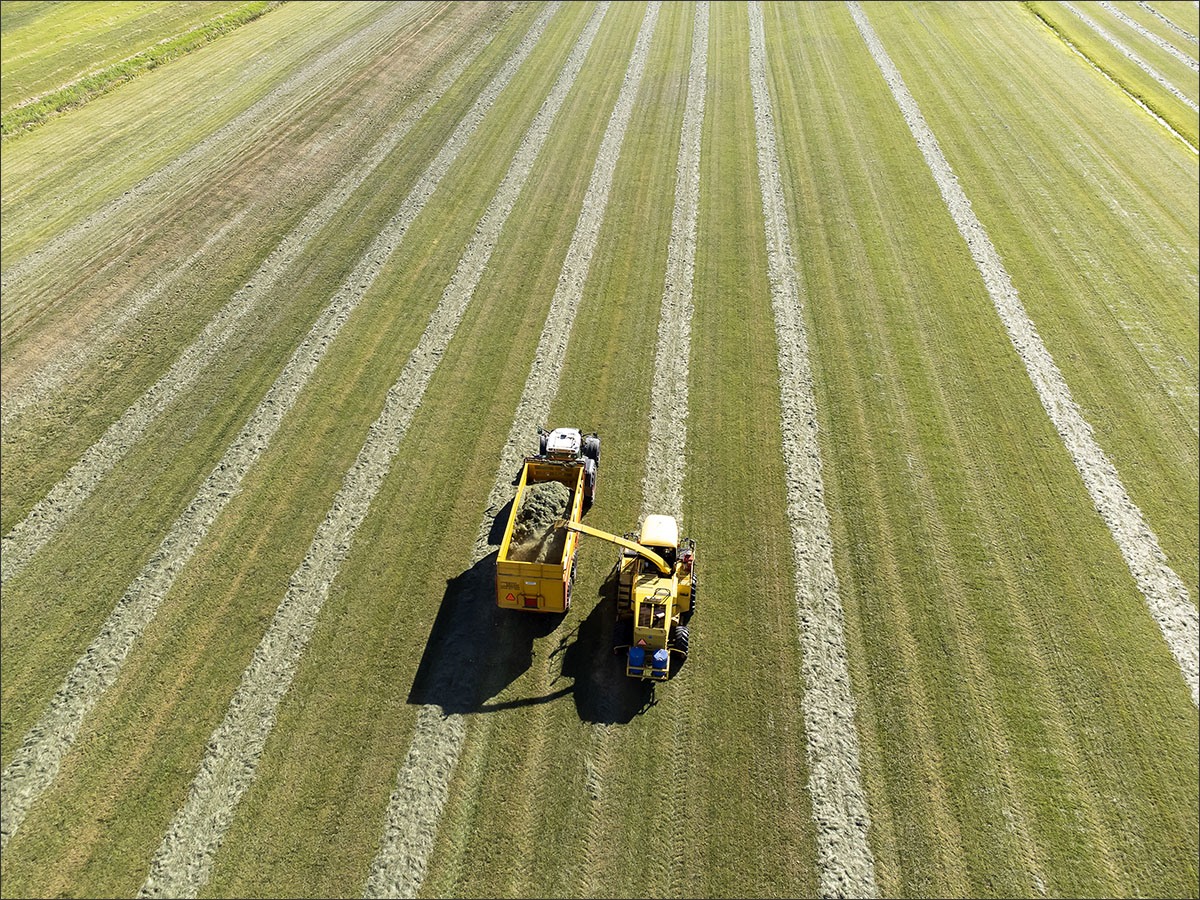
1023	724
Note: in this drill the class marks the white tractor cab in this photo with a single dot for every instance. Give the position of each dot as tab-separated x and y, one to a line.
573	444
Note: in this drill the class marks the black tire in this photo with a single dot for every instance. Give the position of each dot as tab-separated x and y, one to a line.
589	481
542	443
591	447
692	599
678	639
570	584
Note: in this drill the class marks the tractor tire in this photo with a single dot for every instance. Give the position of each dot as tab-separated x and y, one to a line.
589	483
591	447
542	438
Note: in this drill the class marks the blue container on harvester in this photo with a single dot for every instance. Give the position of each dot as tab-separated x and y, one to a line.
660	660
637	657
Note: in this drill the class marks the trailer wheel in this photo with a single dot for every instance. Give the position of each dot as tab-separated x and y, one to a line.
570	585
591	447
589	482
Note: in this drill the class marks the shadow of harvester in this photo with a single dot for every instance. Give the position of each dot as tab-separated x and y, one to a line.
476	650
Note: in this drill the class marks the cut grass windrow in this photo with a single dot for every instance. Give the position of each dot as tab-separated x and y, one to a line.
847	867
1131	56
183	862
49	515
247	122
662	484
1165	593
36	763
1180	31
423	782
666	459
1152	37
35	110
83	350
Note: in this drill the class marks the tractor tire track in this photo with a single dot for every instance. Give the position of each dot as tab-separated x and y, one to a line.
846	865
184	859
1166	596
1182	32
246	124
423	780
1131	56
1152	37
48	516
36	763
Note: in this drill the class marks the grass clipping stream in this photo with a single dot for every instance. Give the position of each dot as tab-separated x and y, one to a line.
534	537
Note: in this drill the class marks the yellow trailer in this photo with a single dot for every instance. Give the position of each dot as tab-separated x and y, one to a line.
571	459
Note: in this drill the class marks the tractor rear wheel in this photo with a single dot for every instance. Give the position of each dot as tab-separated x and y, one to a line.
591	447
622	634
542	438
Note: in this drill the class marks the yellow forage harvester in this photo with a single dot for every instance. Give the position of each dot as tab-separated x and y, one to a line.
656	595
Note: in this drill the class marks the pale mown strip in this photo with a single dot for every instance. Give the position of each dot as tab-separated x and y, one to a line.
847	867
245	123
423	782
666	459
36	763
1165	593
1180	31
1131	56
665	465
183	861
1152	37
49	515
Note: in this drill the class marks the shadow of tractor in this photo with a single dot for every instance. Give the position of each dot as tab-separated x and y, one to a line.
476	650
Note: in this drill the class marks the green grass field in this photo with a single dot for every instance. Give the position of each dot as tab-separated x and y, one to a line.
1023	726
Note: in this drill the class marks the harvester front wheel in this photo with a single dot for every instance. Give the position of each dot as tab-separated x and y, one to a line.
679	638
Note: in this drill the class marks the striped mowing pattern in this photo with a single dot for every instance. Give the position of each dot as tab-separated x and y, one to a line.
423	781
1166	596
36	763
183	862
847	867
